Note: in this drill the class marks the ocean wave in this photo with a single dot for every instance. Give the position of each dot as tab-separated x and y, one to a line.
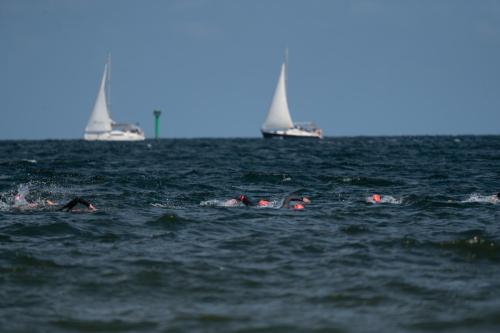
18	163
19	261
475	247
370	182
169	218
113	325
471	246
266	177
42	229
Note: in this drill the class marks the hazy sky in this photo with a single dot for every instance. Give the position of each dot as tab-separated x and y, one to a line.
355	67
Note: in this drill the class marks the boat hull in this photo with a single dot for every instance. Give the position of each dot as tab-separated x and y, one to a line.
114	136
292	134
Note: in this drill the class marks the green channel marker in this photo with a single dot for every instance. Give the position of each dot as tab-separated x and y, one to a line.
157	114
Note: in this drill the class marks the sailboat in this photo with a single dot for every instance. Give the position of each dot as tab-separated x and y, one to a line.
278	123
100	126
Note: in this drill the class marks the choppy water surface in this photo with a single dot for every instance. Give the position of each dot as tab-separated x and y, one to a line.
163	253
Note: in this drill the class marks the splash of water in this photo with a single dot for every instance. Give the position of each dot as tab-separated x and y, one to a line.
387	199
475	197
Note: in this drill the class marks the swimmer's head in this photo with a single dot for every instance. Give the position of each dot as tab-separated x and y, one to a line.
376	198
263	203
241	197
298	206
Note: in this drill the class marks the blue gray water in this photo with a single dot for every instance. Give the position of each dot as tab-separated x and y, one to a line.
163	254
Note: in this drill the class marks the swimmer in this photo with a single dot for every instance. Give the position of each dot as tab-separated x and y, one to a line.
289	202
247	202
383	199
20	201
296	203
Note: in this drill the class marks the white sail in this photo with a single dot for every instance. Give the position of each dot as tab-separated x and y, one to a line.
278	116
100	121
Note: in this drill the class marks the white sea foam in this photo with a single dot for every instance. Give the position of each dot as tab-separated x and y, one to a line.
159	205
350	179
164	205
28	196
221	203
4	206
235	203
387	199
475	197
273	204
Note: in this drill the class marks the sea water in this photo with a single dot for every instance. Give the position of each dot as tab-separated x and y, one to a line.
165	252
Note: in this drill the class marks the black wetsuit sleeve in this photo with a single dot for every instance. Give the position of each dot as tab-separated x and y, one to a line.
70	205
245	201
287	200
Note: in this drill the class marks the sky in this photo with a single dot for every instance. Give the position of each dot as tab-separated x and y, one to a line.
359	67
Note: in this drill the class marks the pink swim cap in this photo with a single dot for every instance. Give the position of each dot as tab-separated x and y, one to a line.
263	203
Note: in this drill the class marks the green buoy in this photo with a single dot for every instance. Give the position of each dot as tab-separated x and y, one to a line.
157	114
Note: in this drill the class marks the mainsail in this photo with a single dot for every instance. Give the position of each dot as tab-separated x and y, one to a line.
278	116
100	121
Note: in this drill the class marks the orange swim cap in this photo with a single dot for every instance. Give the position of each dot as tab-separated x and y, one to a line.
298	206
263	203
376	197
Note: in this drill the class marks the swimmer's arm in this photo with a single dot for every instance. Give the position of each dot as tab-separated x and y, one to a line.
245	201
286	203
70	205
87	204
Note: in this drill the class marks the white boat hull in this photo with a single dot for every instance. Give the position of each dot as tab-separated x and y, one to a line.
292	133
114	136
